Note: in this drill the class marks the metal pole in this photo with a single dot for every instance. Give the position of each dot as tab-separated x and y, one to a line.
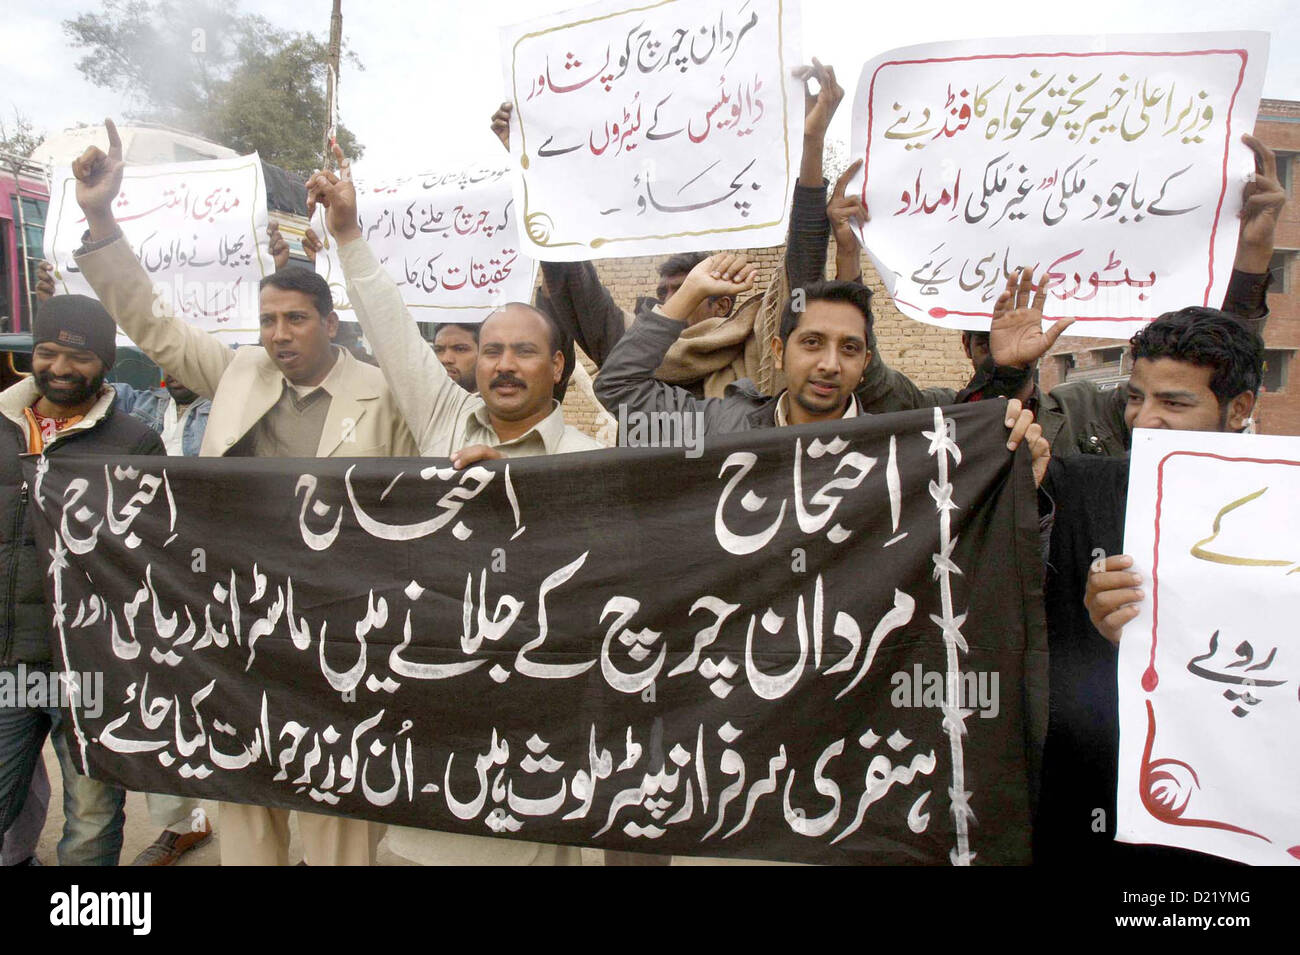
331	79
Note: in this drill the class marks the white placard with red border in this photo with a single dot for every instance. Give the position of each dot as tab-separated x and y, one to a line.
198	229
1113	164
1209	672
644	128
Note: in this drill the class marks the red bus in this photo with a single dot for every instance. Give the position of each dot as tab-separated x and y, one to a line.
24	201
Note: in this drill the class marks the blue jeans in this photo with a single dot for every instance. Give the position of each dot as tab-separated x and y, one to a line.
93	812
19	841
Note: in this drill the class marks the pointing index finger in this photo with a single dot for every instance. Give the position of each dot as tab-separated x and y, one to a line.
114	140
345	167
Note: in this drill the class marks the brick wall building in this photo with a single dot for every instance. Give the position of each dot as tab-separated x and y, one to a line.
1106	360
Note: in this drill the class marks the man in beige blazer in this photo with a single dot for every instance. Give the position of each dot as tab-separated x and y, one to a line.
297	395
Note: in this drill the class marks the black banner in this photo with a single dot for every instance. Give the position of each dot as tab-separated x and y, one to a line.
820	644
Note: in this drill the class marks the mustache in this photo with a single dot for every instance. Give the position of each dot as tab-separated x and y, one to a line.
505	378
49	377
68	389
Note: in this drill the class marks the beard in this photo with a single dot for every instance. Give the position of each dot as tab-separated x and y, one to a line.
180	394
816	407
70	392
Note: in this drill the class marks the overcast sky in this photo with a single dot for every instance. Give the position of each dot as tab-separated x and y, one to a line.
433	74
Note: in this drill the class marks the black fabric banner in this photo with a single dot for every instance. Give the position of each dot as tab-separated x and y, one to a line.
820	644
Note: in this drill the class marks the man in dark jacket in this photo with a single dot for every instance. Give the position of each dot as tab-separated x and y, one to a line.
820	347
1197	369
64	407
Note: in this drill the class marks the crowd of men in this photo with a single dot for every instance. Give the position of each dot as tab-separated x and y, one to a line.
705	340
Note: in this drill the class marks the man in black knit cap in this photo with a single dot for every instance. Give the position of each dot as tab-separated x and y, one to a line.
64	407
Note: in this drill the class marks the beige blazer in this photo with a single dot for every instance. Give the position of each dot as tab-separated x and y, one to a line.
243	383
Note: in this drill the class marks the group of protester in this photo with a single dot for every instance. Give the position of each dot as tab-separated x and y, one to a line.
705	341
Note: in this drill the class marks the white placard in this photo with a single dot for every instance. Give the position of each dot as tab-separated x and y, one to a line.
448	239
198	228
1209	672
1113	164
642	129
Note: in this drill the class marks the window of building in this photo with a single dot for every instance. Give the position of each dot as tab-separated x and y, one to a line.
1100	365
1064	365
1281	267
1285	172
1277	364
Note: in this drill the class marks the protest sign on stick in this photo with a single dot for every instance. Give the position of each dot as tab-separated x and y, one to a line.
641	129
827	645
198	229
448	239
1209	671
1112	164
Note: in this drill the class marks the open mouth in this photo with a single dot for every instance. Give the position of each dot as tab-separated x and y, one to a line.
823	389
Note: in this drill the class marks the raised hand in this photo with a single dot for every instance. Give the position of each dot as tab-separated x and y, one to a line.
44	281
311	244
727	273
99	178
1016	335
844	211
277	246
1262	202
338	196
501	123
819	108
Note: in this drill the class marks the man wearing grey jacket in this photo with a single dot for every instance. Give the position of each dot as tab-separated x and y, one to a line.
821	348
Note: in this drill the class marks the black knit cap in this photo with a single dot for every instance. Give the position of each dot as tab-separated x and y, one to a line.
77	321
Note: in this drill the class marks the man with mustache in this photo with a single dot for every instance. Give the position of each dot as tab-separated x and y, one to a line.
514	414
821	347
63	407
520	356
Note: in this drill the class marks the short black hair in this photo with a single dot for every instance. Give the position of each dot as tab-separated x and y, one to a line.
682	263
554	332
295	278
1209	338
471	327
831	290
